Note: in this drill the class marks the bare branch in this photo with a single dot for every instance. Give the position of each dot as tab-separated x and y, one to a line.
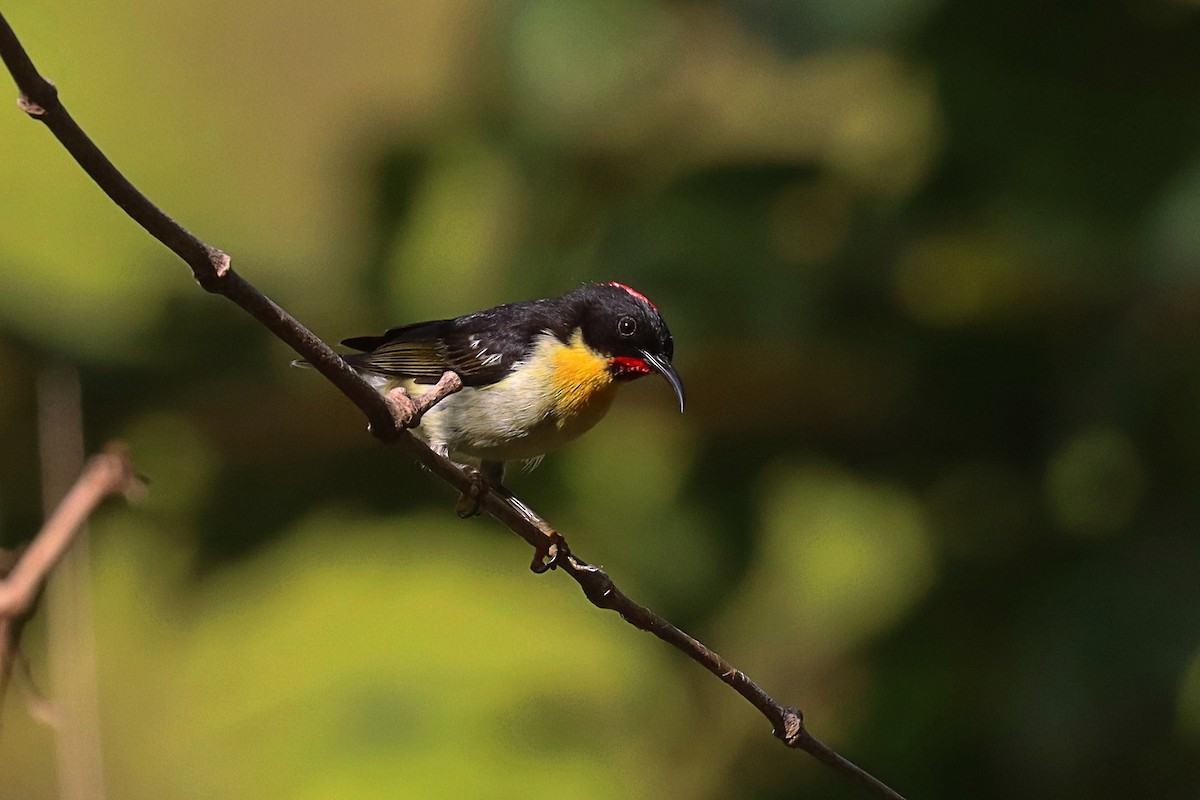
109	473
10	629
388	417
408	411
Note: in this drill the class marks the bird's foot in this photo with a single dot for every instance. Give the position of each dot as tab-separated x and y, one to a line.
552	549
408	410
469	504
545	558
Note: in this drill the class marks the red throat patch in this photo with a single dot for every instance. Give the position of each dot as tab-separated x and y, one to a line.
626	368
633	292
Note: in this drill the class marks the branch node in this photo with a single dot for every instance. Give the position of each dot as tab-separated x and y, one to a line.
211	272
126	481
220	261
43	87
790	728
29	107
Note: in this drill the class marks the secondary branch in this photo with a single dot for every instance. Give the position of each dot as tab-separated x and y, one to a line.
106	474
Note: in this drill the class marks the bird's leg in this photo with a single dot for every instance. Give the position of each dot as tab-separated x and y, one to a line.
490	474
408	410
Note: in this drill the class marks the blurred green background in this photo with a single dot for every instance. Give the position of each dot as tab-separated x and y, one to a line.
933	271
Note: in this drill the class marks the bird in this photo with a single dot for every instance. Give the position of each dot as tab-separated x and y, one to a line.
535	374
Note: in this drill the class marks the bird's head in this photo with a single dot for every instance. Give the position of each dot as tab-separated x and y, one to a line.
623	326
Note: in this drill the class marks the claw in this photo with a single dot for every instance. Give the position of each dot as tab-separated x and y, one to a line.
546	558
468	504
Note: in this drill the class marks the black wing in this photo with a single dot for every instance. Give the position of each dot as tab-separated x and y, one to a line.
481	348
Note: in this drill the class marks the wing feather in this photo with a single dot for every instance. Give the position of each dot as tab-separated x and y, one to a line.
410	351
481	348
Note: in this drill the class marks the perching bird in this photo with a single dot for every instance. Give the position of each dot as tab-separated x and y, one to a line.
535	374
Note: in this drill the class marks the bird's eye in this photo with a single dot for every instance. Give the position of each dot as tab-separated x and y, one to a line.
626	326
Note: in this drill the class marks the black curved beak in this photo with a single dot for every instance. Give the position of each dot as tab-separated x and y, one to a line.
664	367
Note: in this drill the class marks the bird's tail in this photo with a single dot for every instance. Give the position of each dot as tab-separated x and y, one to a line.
380	382
355	360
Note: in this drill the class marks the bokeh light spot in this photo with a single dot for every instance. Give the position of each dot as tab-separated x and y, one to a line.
951	279
845	558
1095	481
1188	703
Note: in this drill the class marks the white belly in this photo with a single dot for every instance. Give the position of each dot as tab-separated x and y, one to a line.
507	421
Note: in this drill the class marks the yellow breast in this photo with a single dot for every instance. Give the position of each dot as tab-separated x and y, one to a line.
582	384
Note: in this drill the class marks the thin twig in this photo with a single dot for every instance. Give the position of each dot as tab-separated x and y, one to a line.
10	630
106	474
211	268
